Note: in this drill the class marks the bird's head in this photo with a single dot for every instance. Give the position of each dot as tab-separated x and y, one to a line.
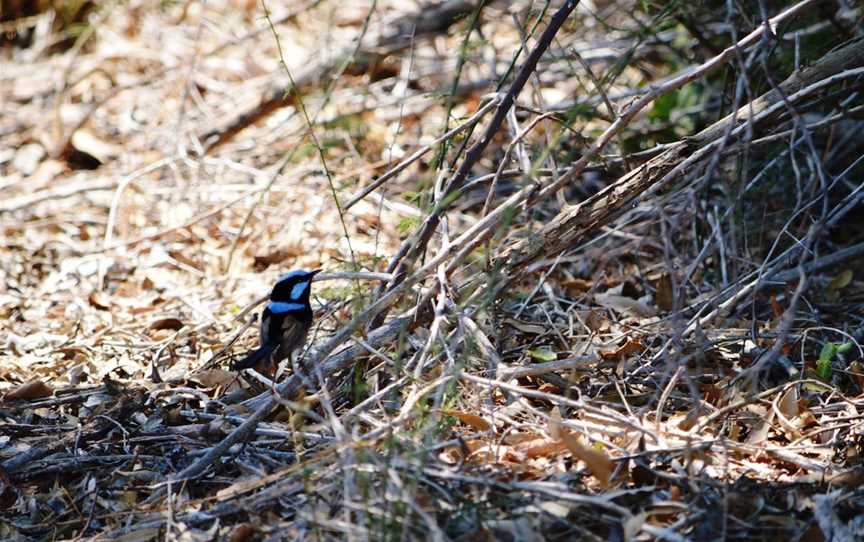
293	287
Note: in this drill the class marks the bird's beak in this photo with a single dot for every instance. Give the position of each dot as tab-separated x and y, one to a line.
314	272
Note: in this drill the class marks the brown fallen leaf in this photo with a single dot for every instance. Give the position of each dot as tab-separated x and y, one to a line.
35	389
597	461
555	426
185	259
473	420
100	300
596	321
265	260
514	439
167	323
788	404
576	286
244	531
632	346
625	305
210	378
691	419
665	297
787	409
775	307
542	448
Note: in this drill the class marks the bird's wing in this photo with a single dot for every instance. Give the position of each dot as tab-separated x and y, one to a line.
266	322
293	334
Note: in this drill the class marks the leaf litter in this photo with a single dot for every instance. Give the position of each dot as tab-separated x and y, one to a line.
610	391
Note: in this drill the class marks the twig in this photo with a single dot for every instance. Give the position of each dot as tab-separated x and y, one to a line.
398	168
475	151
65	191
537	369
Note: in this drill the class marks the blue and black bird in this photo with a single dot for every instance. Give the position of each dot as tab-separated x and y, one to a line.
284	323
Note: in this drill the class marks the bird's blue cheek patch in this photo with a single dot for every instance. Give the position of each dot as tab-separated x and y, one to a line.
298	289
278	307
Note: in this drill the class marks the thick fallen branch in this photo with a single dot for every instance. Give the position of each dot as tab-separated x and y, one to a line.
578	221
428	22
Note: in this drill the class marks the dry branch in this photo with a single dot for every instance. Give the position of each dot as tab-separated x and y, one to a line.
100	426
577	222
427	23
65	191
372	444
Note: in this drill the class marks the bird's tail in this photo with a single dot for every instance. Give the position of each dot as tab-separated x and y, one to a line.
254	358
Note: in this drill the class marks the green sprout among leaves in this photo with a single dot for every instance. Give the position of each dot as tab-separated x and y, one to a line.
826	356
543	354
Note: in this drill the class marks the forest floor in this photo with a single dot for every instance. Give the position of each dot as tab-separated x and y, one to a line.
591	272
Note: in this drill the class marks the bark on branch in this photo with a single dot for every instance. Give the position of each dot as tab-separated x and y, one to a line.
575	223
428	22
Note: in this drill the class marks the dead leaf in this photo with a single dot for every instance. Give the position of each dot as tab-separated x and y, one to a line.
577	286
76	374
788	404
514	439
664	297
141	535
548	387
27	158
596	460
690	421
244	531
555	427
787	407
633	525
735	432
263	261
759	422
103	151
473	420
839	282
211	378
542	448
632	346
100	300
775	307
35	389
625	305
186	260
595	321
174	324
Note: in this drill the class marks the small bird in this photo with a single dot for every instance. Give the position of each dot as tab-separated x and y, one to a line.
284	323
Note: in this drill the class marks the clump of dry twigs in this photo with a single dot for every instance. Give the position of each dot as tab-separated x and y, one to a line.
591	269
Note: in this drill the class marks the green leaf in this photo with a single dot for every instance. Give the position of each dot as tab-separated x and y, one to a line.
829	350
823	369
826	356
542	354
407	225
663	106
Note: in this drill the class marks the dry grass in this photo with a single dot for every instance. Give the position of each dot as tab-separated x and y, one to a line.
610	312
